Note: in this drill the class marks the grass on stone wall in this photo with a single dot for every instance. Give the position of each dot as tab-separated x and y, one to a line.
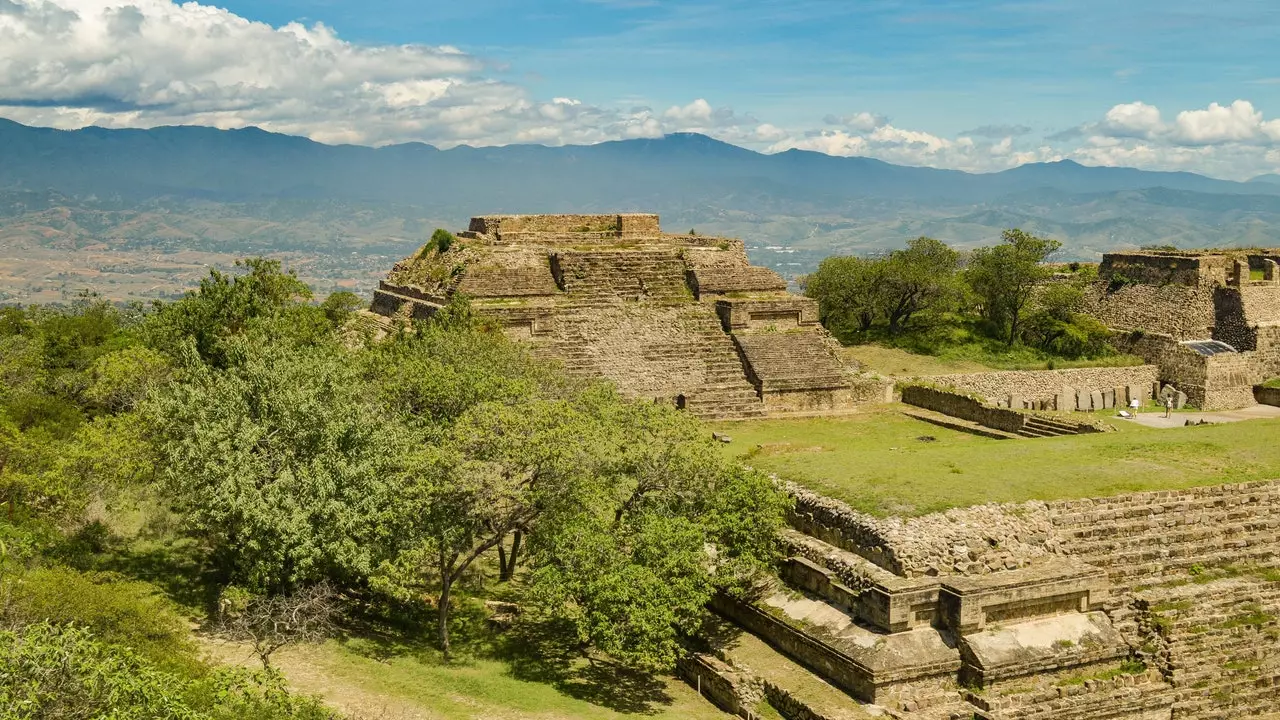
1272	383
885	463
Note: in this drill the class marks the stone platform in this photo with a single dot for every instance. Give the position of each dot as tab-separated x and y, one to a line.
682	319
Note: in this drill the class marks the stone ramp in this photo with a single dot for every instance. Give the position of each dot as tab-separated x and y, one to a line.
786	683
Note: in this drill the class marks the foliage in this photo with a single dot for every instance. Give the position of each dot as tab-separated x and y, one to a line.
846	289
116	610
47	671
65	672
208	319
1005	277
281	463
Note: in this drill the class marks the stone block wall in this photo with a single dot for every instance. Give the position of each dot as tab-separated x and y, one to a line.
963	407
1156	268
1267	396
1042	384
618	225
1184	311
1214	382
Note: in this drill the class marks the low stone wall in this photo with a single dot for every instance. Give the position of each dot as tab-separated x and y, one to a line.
1267	396
963	407
1045	384
734	692
837	667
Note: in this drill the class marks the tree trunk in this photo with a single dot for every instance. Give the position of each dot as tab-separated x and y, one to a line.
508	561
442	608
442	616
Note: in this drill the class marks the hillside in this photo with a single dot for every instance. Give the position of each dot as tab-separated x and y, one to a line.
122	211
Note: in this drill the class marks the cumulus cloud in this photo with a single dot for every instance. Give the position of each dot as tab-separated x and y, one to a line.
857	122
120	63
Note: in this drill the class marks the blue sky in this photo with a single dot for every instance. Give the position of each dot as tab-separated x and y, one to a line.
957	83
942	66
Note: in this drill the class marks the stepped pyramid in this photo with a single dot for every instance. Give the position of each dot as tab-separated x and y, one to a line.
684	319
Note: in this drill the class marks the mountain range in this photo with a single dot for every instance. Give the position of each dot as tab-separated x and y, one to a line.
170	190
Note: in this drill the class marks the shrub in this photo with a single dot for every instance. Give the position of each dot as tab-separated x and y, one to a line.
119	612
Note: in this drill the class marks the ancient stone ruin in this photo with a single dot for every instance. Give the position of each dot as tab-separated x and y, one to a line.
1147	606
1210	320
684	319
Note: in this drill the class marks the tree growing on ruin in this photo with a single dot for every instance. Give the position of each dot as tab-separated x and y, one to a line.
1005	278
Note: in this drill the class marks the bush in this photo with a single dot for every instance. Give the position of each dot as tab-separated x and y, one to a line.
125	613
52	671
64	672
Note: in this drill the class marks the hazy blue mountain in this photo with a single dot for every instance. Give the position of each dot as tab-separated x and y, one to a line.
236	192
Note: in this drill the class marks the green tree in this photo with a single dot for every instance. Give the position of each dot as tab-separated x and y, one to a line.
210	319
282	464
662	524
919	279
1005	278
847	289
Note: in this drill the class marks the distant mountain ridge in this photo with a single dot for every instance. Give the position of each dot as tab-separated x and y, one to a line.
247	164
252	190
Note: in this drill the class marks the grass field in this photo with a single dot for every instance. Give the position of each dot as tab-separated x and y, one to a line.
877	462
370	680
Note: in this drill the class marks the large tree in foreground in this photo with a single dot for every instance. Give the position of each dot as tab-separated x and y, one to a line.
1005	277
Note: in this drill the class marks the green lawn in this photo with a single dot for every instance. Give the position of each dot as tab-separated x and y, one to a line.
876	461
364	678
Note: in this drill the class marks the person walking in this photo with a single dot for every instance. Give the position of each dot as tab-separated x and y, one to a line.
1168	405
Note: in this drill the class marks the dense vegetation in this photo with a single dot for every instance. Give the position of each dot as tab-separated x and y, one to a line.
1001	304
246	458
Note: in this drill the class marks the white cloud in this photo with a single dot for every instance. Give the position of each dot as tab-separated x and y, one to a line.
141	63
128	63
858	122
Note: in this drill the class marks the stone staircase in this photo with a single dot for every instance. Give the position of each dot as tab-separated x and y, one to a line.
598	277
1038	426
790	360
677	354
847	638
1211	640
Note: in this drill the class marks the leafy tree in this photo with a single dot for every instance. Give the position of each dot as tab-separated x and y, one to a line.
1058	325
281	463
921	278
847	289
118	381
662	524
339	306
226	306
1006	276
499	469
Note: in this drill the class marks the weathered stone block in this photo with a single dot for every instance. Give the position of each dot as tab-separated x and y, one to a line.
1083	401
1108	399
1179	400
1095	400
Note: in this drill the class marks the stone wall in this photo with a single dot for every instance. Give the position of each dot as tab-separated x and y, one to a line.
1158	268
1042	384
1184	311
1267	396
1211	382
619	225
963	407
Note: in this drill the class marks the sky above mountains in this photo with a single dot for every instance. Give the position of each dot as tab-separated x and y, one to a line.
980	86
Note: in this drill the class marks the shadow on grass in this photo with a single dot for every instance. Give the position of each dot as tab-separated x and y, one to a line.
178	567
542	652
549	652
